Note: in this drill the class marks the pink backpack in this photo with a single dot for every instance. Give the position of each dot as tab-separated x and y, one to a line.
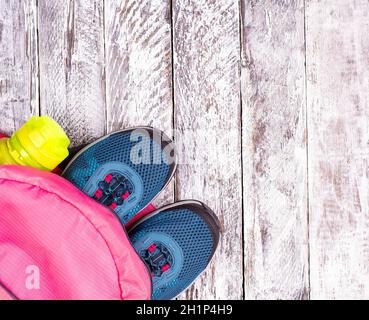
58	244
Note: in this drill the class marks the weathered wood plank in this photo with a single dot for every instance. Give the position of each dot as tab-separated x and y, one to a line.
274	150
207	120
72	77
139	67
338	104
18	63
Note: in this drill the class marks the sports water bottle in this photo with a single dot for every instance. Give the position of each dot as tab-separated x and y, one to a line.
41	143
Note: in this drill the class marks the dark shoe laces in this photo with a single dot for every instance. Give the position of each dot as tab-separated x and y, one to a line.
113	191
158	259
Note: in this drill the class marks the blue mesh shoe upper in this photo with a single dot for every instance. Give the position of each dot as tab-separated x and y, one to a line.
177	245
121	172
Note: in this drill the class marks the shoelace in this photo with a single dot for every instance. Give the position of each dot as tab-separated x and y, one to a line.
113	191
158	259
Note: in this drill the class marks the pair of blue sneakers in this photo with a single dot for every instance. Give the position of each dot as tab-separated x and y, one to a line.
125	171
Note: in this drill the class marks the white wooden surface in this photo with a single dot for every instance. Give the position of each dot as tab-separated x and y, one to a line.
274	150
338	105
267	102
19	97
71	59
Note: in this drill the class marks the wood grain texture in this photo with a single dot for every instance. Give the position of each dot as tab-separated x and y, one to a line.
208	130
274	150
338	104
18	63
72	66
139	68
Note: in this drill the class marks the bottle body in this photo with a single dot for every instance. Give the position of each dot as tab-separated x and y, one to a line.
41	143
5	156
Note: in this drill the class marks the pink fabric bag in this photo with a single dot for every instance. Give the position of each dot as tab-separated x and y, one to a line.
58	244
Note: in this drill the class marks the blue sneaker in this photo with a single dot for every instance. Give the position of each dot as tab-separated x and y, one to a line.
177	243
125	170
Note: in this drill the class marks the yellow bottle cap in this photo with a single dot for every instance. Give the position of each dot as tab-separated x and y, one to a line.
40	143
